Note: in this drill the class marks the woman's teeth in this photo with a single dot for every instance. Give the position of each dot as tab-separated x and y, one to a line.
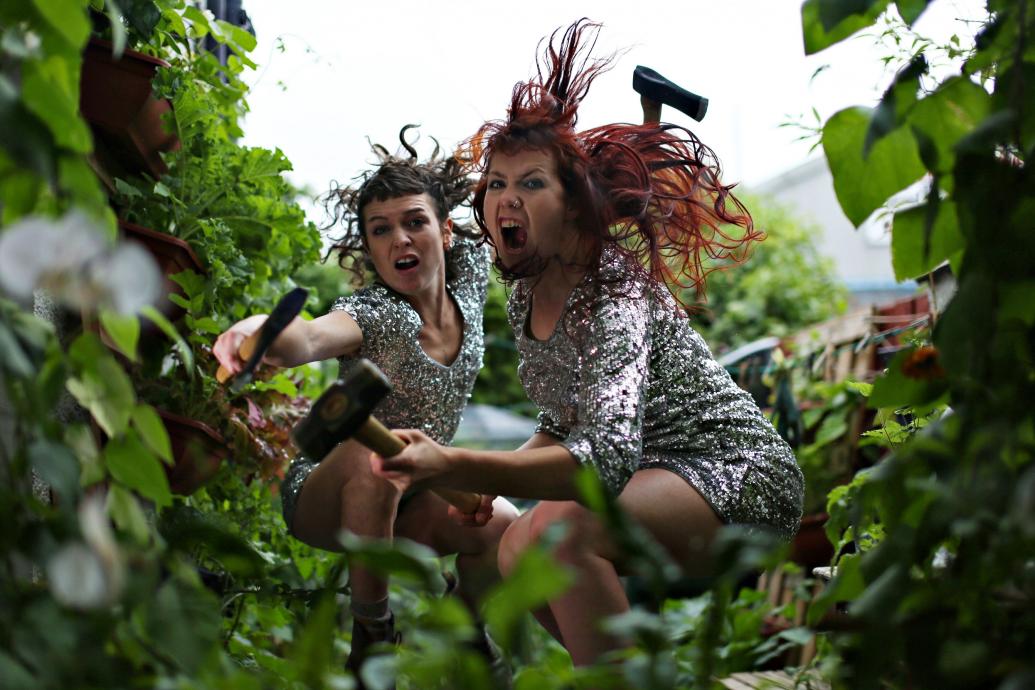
514	236
403	264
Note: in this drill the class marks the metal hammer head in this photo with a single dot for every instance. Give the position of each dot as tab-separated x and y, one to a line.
656	91
341	410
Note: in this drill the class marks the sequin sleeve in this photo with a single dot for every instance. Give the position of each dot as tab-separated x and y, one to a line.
614	351
369	308
548	425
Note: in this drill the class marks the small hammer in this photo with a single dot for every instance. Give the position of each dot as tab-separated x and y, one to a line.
343	411
656	91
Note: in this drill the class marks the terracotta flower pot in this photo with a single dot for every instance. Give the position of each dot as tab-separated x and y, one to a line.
172	256
116	99
811	548
197	449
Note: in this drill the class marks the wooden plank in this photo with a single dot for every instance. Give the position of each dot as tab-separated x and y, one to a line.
773	680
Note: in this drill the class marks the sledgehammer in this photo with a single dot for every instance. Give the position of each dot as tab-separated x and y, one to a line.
656	91
343	411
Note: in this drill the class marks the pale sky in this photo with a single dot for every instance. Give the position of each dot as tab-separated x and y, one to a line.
352	70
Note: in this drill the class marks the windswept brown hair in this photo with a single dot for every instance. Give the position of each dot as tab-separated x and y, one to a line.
652	191
441	177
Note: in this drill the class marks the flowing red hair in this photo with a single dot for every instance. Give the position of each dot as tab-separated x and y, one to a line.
653	191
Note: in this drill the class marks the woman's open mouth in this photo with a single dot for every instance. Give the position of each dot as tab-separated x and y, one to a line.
514	235
406	263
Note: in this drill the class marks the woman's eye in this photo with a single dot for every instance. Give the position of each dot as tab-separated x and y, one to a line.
379	230
533	183
416	222
495	184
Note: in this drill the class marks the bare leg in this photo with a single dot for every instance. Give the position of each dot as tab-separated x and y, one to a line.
678	517
515	540
425	519
343	493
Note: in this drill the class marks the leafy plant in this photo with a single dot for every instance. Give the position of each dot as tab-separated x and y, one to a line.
785	285
945	522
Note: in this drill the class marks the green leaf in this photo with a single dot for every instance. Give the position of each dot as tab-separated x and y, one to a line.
157	318
536	579
125	510
118	29
151	429
15	676
67	17
56	465
898	99
12	357
404	559
101	386
124	332
910	10
80	439
1017	302
864	184
913	253
131	463
946	116
46	91
896	390
826	22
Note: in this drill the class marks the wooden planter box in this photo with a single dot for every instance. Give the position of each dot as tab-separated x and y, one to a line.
172	255
198	451
127	120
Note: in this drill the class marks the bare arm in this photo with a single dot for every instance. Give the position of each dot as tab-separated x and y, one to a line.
325	337
541	468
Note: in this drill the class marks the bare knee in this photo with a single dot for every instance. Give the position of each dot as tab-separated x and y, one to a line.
566	527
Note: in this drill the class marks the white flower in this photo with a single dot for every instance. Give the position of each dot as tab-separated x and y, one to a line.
88	575
72	260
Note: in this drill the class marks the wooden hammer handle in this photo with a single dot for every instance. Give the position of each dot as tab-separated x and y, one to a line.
379	439
244	351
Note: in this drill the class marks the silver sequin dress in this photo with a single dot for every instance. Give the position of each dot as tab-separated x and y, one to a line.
626	384
426	394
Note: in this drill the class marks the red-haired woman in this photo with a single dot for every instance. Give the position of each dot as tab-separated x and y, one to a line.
595	228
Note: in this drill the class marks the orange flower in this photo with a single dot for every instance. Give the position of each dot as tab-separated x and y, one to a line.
922	363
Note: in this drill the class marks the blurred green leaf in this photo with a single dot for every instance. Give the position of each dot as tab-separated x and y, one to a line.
895	390
864	184
946	116
127	514
56	465
101	385
67	17
49	91
124	332
152	430
131	463
402	558
913	252
535	580
826	22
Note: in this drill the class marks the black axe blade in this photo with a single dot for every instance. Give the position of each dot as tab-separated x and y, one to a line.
283	314
656	88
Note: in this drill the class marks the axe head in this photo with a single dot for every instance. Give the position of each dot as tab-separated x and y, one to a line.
660	91
341	410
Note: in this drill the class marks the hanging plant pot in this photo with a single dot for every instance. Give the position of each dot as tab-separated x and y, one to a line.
197	449
172	256
811	548
115	97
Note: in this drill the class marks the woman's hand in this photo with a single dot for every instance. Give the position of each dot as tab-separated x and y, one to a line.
479	518
229	342
421	461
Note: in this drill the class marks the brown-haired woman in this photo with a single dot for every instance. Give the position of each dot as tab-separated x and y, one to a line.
597	229
420	321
